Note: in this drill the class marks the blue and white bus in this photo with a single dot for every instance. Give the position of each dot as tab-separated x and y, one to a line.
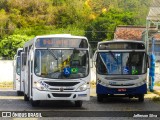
57	67
121	68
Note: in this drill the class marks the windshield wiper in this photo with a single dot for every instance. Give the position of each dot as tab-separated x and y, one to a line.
52	53
113	56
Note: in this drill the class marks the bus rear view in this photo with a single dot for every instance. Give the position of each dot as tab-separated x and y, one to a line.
121	68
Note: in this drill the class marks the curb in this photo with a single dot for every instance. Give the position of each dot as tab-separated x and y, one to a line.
156	92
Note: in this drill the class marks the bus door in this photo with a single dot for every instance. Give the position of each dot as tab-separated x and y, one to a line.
30	73
29	77
14	73
22	74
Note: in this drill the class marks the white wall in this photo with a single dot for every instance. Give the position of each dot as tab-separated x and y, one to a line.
6	70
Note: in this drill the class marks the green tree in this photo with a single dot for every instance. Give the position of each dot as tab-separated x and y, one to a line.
103	27
10	44
3	22
72	13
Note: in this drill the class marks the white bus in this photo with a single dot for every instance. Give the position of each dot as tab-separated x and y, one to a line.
17	72
121	68
57	67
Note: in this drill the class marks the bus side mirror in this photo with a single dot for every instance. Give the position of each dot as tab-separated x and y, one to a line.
148	61
91	57
94	58
91	62
37	65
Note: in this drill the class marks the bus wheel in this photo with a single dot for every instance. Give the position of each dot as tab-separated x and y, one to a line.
99	98
35	103
141	98
78	103
19	93
25	97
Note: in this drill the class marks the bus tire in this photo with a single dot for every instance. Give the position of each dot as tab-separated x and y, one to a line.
26	98
35	103
78	103
99	98
19	93
22	93
141	98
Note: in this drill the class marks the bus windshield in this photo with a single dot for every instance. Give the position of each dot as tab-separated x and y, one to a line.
121	63
18	65
61	64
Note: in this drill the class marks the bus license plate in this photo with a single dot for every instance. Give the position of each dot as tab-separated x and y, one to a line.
122	90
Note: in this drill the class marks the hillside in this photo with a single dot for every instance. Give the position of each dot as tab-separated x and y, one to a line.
96	19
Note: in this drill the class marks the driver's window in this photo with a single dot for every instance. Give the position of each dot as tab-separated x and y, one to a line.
37	64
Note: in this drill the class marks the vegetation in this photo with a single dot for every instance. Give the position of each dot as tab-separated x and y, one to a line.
96	19
6	85
156	99
10	44
157	83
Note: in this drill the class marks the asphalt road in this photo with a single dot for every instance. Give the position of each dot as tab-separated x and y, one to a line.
111	107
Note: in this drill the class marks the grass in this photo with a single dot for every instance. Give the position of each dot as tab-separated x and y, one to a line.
156	99
157	83
6	85
156	92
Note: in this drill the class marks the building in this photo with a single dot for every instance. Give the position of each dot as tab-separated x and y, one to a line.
138	33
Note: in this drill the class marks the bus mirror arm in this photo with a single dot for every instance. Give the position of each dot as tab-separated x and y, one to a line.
148	61
91	62
94	58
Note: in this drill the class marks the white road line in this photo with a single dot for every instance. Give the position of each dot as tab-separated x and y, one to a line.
11	97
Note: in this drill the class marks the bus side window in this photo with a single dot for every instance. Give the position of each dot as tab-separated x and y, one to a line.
37	65
31	66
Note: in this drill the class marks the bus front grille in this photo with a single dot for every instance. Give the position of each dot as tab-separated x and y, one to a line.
61	95
62	83
65	89
123	85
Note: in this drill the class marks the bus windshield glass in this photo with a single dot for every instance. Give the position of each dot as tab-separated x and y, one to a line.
121	63
61	43
18	65
61	64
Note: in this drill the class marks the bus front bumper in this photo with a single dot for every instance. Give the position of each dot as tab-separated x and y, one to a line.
49	95
127	91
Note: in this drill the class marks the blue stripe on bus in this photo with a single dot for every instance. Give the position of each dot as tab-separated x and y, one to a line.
105	90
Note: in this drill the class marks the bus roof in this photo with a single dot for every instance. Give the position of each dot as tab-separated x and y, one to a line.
30	42
121	40
120	44
19	49
61	35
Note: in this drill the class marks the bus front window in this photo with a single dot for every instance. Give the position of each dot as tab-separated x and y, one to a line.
129	63
63	64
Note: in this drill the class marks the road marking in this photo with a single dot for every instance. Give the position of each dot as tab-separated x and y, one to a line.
25	118
11	97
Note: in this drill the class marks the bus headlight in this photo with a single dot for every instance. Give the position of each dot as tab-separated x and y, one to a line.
40	86
83	87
